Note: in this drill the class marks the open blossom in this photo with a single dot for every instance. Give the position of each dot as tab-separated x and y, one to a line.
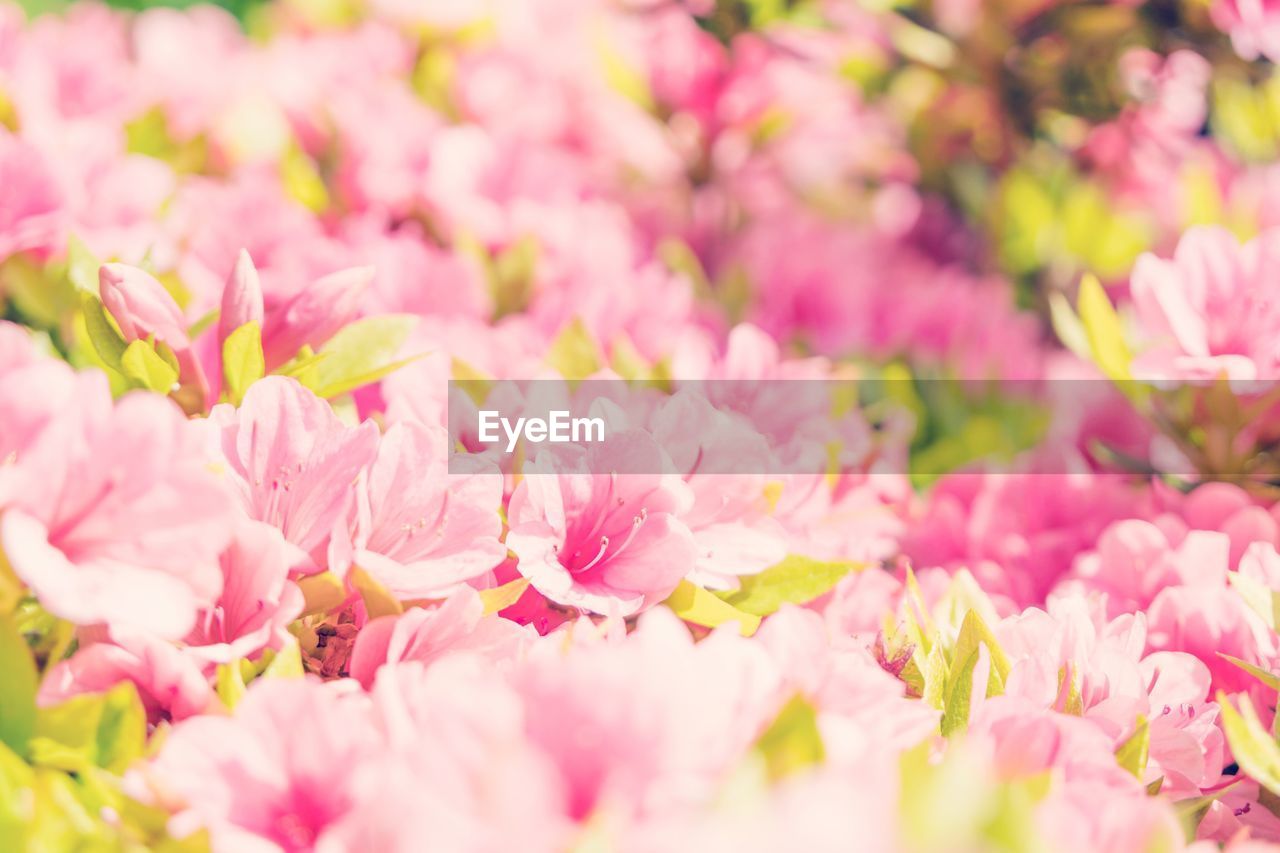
1211	310
608	543
418	528
32	216
292	463
117	519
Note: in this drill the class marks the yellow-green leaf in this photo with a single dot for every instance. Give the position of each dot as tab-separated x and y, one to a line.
1104	331
1265	676
695	604
230	684
501	597
974	632
359	354
378	600
1132	754
574	353
959	694
242	361
792	741
795	580
285	663
1254	748
148	368
106	339
17	687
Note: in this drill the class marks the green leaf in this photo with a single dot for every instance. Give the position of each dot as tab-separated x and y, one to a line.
285	663
242	361
1104	331
230	685
697	605
148	368
1263	601
1265	676
974	632
360	354
795	580
82	266
107	730
302	181
1132	754
18	683
378	600
501	597
1254	748
1066	324
792	741
106	339
574	354
959	694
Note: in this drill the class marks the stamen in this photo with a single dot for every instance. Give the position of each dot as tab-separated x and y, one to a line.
604	546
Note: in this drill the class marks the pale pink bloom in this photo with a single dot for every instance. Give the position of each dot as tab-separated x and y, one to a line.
32	213
1254	27
293	463
1212	310
862	710
1224	507
419	528
648	722
725	462
458	624
1107	818
461	769
257	602
1208	619
172	685
604	542
276	776
1237	816
1072	655
119	520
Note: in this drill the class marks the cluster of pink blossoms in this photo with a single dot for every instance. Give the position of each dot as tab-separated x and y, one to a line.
238	274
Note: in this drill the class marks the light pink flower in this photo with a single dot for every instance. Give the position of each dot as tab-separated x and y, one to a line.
32	214
118	521
459	624
1212	310
171	684
293	463
419	528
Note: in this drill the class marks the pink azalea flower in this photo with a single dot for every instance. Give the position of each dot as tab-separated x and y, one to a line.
293	463
170	684
418	528
257	602
32	214
118	520
1211	310
459	624
604	542
1254	27
275	776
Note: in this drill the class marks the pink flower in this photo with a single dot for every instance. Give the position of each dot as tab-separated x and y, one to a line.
276	775
170	684
32	217
418	528
293	463
118	521
605	542
257	602
1212	310
241	298
425	635
314	314
1254	27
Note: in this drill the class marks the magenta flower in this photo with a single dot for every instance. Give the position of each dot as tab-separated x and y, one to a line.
604	542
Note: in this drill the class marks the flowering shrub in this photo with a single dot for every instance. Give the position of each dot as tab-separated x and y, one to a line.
934	504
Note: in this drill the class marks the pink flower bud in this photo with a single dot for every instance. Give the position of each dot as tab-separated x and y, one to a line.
141	306
241	298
